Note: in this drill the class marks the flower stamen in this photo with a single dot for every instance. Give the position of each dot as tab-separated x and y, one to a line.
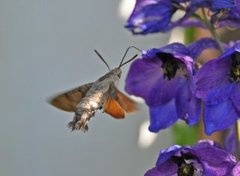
235	68
170	65
185	166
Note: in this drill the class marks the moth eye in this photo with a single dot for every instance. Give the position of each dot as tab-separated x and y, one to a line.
119	73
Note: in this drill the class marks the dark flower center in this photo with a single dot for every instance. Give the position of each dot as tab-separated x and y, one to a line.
170	65
186	170
185	167
235	67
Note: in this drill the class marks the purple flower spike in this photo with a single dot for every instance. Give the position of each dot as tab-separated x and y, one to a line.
163	77
218	84
150	16
205	158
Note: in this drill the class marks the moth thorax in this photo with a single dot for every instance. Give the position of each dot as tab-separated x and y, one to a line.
88	105
94	104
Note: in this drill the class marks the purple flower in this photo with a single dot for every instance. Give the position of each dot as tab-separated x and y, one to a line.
151	16
213	5
230	17
163	77
218	84
205	158
225	12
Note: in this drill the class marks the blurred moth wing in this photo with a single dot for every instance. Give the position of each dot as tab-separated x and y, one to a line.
68	101
117	104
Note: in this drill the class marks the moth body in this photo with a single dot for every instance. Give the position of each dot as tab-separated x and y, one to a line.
94	99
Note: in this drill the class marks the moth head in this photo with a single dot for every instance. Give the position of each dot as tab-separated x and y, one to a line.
117	71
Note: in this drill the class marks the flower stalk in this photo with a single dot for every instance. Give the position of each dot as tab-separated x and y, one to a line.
212	30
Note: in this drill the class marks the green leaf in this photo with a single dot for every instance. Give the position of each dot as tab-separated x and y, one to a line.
189	35
184	134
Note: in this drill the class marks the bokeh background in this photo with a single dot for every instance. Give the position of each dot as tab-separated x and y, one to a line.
46	46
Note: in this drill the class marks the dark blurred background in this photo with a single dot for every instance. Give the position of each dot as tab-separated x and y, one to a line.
46	46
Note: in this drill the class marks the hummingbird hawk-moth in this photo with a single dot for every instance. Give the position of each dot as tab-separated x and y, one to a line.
85	100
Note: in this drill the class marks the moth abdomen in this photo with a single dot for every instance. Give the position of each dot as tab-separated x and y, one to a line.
80	120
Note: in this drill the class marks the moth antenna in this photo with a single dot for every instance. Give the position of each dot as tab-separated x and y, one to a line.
121	63
99	55
128	60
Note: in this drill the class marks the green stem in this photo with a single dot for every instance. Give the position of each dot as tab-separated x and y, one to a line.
237	126
212	30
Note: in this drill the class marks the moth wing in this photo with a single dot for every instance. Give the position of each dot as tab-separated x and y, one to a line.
68	101
126	102
113	108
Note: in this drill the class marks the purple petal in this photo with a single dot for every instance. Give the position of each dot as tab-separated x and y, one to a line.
145	79
205	143
162	116
190	22
166	169
195	4
163	91
236	170
219	117
213	74
142	77
152	172
219	94
213	4
222	4
232	18
188	106
196	48
216	161
150	16
166	154
235	97
177	50
164	165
